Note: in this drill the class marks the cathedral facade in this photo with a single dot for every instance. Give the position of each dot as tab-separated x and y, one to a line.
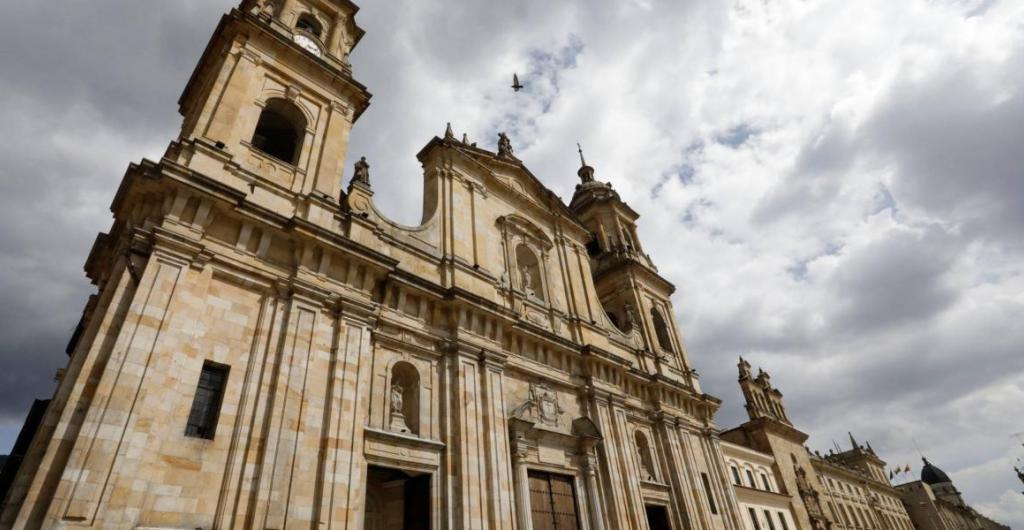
267	351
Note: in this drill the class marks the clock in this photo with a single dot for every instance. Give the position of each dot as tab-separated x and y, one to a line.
308	44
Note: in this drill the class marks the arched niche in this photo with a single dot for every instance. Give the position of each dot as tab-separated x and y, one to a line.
661	330
531	280
280	130
526	249
404	399
646	459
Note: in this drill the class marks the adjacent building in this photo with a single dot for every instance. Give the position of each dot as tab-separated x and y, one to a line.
774	473
763	502
934	502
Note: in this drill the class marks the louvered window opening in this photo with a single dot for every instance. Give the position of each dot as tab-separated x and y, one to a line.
202	419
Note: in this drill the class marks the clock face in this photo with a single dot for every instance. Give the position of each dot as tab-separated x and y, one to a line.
308	44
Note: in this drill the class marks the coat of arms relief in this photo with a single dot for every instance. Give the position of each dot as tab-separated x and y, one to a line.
540	407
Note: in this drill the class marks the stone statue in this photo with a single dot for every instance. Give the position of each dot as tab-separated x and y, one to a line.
631	317
526	279
397	398
362	172
645	472
398	423
504	146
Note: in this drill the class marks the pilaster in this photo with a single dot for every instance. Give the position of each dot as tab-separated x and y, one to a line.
87	474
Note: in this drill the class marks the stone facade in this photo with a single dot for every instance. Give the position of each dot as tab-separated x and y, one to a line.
265	351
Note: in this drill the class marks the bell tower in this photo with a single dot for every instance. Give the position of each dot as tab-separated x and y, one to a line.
632	292
270	106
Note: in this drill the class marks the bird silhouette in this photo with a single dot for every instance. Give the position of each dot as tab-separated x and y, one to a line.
515	83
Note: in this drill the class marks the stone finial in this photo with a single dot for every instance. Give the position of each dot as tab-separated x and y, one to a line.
586	173
465	138
744	368
505	146
448	133
362	172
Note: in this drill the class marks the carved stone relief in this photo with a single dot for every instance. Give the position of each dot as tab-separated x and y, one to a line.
541	406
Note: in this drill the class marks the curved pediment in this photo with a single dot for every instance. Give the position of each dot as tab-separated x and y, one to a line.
519	225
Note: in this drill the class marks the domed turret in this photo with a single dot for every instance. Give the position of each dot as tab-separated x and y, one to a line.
932	475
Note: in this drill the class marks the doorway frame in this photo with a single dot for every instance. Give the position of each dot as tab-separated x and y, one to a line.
409	454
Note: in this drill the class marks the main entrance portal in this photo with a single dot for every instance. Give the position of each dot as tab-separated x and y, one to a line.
397	500
657	518
553	502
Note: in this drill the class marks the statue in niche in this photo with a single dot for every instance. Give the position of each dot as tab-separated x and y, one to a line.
645	472
397	397
631	317
526	279
397	403
362	172
504	146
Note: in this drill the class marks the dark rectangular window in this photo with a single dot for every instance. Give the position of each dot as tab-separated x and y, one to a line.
753	518
768	517
707	490
736	476
750	479
202	420
767	485
782	521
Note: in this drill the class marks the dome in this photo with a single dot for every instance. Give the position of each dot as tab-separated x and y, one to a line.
932	475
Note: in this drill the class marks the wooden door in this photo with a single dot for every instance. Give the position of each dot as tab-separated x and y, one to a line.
553	502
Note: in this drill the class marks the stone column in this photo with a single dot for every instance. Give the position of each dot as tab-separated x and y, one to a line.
521	476
590	469
496	448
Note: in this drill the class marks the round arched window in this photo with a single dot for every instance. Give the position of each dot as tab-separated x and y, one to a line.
309	24
280	131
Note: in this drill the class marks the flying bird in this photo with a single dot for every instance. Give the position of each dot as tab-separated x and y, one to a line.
515	83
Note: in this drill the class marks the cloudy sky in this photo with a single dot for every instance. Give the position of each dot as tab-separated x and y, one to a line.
835	187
